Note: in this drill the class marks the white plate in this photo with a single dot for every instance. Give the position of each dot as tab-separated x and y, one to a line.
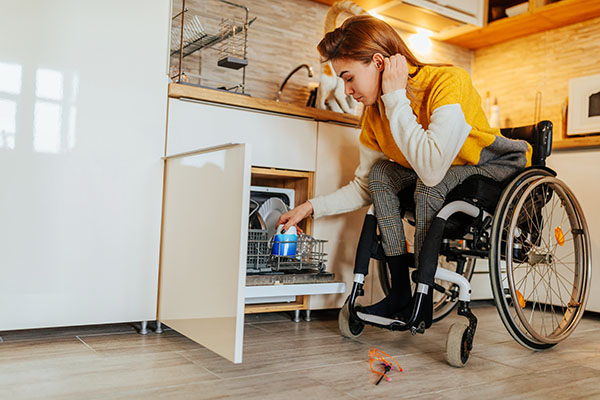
270	211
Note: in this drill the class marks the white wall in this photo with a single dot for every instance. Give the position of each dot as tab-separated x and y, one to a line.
83	90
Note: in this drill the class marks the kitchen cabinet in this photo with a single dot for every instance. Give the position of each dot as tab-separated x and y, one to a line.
467	11
82	130
540	17
276	141
576	169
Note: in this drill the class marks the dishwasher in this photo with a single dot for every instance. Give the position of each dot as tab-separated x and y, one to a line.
309	258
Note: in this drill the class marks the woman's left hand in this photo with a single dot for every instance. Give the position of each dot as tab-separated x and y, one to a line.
395	74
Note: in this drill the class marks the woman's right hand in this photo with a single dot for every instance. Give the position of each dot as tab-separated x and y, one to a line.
294	216
395	74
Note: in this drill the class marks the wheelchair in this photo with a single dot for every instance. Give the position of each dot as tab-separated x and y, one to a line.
533	233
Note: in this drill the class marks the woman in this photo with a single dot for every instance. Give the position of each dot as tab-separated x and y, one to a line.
423	125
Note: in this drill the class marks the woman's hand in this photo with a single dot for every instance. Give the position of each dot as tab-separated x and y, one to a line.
295	215
395	74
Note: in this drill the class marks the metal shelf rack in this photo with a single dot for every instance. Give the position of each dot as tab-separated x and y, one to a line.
228	36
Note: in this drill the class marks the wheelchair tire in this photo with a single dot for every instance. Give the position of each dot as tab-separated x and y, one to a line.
443	304
349	327
457	348
540	260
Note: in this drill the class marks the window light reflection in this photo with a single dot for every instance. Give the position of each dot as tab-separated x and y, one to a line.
8	117
49	84
55	111
46	127
10	78
71	131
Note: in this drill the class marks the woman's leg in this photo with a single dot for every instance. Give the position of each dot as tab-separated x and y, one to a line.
429	200
386	180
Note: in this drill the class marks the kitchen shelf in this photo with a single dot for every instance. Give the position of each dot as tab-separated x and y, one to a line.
551	16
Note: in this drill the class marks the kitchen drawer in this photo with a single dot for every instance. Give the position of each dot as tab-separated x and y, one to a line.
276	141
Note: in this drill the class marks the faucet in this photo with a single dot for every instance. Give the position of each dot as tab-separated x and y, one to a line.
310	75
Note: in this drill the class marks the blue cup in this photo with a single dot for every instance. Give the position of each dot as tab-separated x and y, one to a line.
284	245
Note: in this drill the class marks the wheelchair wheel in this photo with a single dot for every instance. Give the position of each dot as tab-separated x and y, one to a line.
443	302
540	262
349	327
457	347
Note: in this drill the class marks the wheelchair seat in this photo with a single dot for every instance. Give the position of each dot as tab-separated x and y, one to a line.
482	191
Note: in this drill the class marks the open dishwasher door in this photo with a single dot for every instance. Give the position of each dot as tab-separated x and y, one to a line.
203	247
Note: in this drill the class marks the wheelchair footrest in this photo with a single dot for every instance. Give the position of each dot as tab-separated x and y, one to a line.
379	320
390	323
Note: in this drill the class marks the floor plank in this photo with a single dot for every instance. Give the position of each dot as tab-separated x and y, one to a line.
288	360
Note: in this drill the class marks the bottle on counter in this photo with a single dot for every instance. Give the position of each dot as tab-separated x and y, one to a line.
487	103
495	114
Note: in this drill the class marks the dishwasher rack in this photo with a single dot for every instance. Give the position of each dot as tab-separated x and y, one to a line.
310	254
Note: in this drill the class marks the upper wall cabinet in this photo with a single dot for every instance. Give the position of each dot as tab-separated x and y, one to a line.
537	16
467	11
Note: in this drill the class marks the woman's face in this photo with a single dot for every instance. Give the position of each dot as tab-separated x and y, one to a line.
361	81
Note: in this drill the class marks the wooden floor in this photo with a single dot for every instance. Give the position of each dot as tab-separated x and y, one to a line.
287	360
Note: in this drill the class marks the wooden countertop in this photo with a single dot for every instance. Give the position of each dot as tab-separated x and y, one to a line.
178	91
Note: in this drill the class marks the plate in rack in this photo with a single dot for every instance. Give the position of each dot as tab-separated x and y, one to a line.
270	211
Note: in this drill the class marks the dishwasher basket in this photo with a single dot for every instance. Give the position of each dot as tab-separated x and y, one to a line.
310	254
258	252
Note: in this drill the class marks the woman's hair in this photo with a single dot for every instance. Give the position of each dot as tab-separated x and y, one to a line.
360	37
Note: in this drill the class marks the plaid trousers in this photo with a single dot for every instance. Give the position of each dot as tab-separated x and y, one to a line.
387	179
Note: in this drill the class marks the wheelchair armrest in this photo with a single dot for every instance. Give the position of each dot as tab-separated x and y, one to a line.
538	135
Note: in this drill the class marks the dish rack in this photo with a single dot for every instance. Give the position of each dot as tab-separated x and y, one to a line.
310	254
203	28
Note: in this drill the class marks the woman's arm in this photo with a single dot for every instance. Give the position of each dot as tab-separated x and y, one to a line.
430	152
348	198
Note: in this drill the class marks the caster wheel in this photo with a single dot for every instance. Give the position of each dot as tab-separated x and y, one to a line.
349	327
457	348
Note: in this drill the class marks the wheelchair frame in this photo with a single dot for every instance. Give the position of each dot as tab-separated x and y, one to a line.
499	234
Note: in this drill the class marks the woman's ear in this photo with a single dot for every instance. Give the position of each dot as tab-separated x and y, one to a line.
378	60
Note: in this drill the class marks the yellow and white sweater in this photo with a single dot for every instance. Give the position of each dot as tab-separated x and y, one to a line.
444	125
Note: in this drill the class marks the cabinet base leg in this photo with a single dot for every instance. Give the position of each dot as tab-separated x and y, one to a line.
296	315
158	329
307	316
144	329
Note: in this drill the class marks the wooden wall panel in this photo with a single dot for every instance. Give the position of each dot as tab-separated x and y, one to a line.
284	36
515	71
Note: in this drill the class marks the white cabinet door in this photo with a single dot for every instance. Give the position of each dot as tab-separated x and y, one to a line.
82	130
277	141
337	159
576	169
204	243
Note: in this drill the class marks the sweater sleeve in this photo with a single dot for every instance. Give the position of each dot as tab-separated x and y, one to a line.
355	194
429	152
